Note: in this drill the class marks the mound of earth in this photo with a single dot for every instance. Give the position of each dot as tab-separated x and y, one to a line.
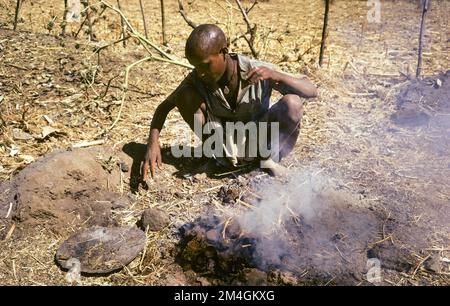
67	188
421	99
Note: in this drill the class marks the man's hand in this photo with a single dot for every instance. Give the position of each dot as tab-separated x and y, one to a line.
261	73
282	82
152	160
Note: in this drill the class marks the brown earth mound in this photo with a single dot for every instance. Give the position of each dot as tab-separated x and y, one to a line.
421	99
67	188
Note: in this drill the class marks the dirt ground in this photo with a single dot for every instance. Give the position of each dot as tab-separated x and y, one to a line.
377	138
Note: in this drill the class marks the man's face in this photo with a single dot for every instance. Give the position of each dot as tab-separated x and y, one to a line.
209	68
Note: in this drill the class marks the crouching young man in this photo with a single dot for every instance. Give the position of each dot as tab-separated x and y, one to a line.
225	91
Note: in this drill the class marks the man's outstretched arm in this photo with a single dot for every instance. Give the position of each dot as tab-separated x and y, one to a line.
283	82
152	157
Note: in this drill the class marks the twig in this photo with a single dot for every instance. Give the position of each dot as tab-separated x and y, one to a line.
191	23
419	264
294	215
239	37
145	40
171	61
125	87
143	18
145	250
244	14
79	29
255	194
16	66
231	172
245	204
213	188
253	5
105	46
225	227
340	253
10	232
9	210
107	86
380	241
40	262
84	21
250	29
329	282
165	57
84	144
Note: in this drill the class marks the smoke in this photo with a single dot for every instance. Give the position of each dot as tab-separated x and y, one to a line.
278	219
282	200
310	223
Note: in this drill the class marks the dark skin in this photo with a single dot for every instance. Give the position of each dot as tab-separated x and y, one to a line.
217	69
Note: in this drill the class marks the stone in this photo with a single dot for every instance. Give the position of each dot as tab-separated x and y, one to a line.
200	177
154	219
124	167
438	83
287	278
18	134
101	249
255	277
120	203
433	263
213	235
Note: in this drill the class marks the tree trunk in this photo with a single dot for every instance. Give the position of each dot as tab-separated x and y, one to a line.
64	22
143	18
122	25
16	16
422	30
163	23
324	31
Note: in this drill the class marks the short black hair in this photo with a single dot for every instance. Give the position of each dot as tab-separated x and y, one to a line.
205	39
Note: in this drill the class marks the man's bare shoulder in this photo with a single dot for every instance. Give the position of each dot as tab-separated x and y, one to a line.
184	89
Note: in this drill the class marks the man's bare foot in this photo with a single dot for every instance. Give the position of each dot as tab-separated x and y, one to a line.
273	168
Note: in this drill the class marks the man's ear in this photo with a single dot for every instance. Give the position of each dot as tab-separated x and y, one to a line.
224	50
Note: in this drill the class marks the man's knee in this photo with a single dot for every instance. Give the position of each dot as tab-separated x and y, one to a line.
199	117
292	106
194	117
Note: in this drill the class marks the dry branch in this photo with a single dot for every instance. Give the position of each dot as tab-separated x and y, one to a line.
163	57
84	144
122	26
250	29
88	15
253	5
191	23
84	22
